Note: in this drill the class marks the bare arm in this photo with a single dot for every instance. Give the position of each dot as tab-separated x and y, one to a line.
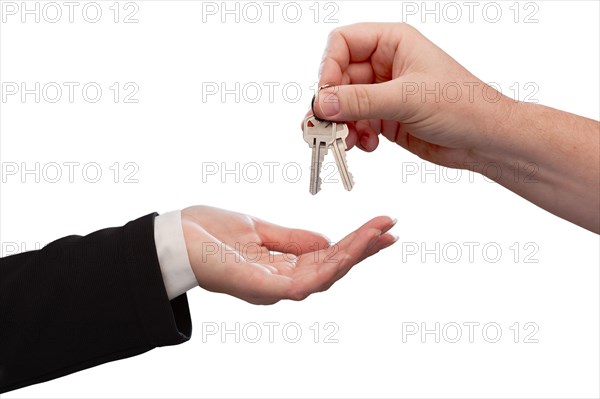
384	76
551	158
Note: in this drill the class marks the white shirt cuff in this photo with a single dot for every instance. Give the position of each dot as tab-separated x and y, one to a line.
175	266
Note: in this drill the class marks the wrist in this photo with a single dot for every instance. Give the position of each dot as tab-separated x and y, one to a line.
191	239
204	252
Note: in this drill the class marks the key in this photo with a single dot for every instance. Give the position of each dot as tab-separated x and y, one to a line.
339	152
319	136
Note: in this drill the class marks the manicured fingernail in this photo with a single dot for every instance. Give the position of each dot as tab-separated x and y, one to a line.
396	238
329	104
394	221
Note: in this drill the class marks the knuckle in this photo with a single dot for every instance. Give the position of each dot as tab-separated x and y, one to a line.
335	32
298	295
327	286
360	101
406	28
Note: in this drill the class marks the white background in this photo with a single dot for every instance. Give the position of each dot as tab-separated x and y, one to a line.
172	54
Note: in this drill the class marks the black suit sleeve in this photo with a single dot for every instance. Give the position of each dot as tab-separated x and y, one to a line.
83	301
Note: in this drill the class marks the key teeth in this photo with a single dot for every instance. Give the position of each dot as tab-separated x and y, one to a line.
342	163
318	188
321	160
350	175
315	172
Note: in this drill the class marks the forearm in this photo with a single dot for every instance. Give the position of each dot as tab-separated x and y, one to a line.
549	157
83	301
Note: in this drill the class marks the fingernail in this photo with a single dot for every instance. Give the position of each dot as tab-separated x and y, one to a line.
396	238
329	104
394	221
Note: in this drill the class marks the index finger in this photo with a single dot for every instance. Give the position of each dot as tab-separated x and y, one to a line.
283	239
350	44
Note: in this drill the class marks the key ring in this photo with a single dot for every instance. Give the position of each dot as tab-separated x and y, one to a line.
312	104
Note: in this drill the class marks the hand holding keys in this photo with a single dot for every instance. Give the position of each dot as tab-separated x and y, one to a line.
320	136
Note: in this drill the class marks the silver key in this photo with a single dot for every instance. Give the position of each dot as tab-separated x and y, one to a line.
339	152
320	135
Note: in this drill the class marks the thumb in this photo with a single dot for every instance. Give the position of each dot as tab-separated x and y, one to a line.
360	102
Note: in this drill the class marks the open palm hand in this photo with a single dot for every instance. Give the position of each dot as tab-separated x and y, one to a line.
262	263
